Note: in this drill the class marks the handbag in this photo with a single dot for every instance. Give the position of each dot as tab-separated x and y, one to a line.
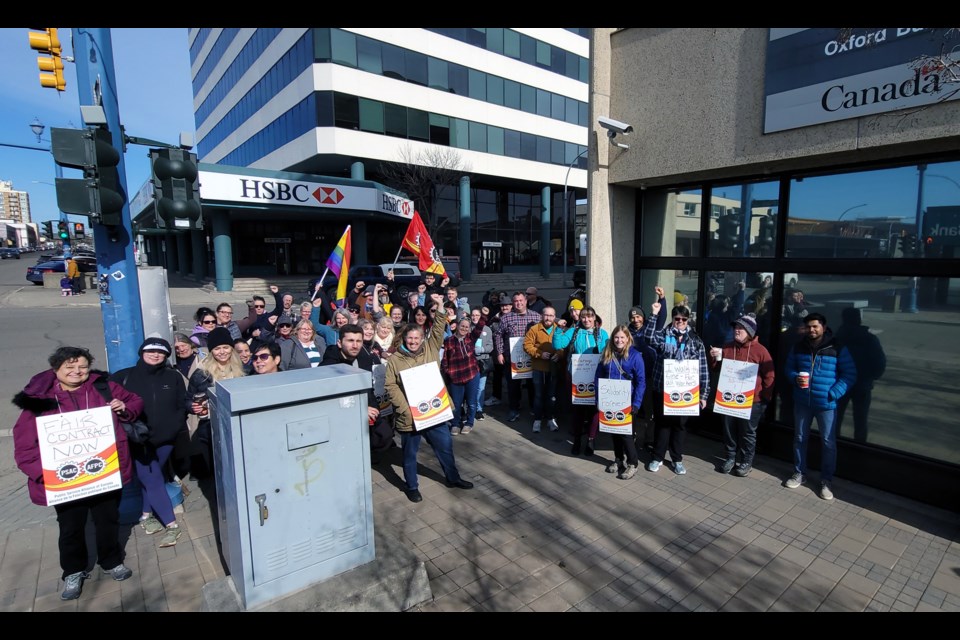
138	432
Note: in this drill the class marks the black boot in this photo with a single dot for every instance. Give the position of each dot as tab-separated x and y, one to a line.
589	450
575	451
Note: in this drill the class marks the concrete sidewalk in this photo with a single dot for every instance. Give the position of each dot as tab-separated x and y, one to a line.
544	531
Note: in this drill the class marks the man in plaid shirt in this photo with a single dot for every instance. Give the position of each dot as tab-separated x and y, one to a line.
513	325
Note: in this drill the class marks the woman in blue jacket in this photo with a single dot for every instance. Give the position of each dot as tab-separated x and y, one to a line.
584	337
621	361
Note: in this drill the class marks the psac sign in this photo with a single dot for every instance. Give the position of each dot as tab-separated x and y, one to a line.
278	191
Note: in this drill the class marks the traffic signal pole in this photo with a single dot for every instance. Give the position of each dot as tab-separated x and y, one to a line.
119	283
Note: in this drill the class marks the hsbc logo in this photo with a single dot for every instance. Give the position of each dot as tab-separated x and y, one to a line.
273	191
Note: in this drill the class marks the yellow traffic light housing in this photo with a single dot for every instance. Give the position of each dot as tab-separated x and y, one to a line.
51	63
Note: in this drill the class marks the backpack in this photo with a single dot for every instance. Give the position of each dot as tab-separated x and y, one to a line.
138	432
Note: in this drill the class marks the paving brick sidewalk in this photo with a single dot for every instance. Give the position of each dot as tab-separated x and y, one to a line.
544	531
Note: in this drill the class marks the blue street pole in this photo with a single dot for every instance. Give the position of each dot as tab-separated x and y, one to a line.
119	283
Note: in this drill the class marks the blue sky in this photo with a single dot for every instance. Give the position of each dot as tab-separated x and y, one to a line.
153	87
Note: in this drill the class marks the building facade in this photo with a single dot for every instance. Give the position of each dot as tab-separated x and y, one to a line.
14	205
495	118
829	163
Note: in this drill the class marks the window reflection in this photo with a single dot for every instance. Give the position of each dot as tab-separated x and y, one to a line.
905	361
903	212
743	219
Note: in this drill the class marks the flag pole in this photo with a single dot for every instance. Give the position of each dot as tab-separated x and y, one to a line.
325	271
398	253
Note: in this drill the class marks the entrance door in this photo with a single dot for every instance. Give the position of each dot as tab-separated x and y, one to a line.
281	258
490	260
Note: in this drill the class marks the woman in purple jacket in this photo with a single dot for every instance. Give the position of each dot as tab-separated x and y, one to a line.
621	361
70	385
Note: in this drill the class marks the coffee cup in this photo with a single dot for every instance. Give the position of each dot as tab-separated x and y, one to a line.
717	353
804	381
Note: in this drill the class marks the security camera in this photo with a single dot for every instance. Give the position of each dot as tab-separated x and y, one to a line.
614	126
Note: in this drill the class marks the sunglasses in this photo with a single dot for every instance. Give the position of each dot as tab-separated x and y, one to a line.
259	306
680	318
263	357
209	322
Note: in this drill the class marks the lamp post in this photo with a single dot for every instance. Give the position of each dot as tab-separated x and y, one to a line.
836	237
565	208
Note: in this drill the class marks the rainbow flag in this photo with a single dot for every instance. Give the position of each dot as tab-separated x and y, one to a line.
339	265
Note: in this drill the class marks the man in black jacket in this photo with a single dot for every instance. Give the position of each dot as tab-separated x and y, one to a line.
349	350
165	413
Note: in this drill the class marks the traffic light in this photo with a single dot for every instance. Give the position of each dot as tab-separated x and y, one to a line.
728	232
78	230
62	232
910	245
176	188
768	228
98	194
48	229
51	63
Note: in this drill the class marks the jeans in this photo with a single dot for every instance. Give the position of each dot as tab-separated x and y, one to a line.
149	467
461	392
826	422
442	443
740	435
72	517
543	395
481	388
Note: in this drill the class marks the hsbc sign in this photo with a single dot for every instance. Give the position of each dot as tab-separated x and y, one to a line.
298	193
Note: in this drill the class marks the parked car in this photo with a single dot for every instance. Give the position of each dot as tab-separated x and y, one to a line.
9	252
406	277
35	273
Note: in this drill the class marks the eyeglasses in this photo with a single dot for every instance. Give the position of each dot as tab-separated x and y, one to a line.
263	357
209	322
258	306
225	312
680	319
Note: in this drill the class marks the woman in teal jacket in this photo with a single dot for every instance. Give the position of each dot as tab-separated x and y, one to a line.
583	337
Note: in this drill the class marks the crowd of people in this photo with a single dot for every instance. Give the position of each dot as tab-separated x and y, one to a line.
563	361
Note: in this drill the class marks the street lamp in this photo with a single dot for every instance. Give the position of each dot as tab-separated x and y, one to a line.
836	237
37	127
566	206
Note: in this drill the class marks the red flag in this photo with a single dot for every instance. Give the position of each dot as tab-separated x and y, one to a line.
418	241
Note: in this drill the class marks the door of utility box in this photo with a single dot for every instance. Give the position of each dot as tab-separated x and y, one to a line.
291	452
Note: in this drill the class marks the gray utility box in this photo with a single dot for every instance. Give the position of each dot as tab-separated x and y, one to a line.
291	454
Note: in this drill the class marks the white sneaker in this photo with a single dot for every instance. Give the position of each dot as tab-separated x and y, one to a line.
553	425
536	426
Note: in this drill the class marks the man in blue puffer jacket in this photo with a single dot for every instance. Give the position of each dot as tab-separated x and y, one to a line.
831	375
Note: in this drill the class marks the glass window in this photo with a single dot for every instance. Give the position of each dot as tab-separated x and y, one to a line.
558	107
371	115
395	120
572	113
478	136
439	129
511	43
459	133
543	149
528	146
528	49
495	39
344	46
459	80
478	84
494	89
528	98
543	103
557	151
511	143
415	64
418	125
865	314
321	46
477	37
494	140
743	219
511	94
669	229
875	214
438	73
584	113
543	54
368	55
346	110
324	102
394	65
